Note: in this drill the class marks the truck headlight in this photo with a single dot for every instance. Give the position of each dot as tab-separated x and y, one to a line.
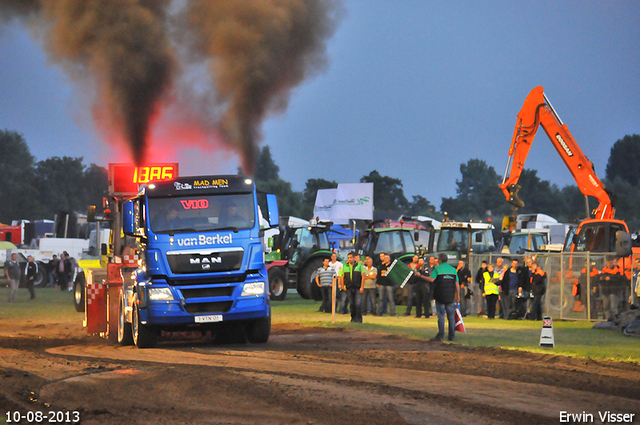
160	294
253	288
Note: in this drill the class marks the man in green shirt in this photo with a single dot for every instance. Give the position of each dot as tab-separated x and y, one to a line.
446	292
351	280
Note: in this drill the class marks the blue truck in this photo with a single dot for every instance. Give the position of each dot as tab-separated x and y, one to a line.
199	261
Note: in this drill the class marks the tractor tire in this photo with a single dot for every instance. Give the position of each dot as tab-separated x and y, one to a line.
258	331
306	287
79	292
303	291
277	284
125	334
143	335
557	303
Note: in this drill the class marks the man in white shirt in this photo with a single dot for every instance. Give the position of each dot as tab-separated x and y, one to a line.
336	266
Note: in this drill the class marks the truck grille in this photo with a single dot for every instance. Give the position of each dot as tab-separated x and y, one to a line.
213	307
208	281
220	291
222	260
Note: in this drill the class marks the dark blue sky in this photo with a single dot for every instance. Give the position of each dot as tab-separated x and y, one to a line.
412	89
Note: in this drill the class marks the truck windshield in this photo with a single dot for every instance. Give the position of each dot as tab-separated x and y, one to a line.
526	242
453	240
202	213
391	242
482	241
458	240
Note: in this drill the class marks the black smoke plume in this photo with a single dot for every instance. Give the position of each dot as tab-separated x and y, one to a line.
257	51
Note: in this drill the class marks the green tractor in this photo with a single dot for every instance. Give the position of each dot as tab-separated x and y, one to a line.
298	250
398	242
400	239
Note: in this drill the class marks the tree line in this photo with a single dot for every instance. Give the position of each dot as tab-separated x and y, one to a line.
39	190
388	194
36	190
478	196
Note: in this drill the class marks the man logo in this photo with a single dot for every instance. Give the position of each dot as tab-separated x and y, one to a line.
206	260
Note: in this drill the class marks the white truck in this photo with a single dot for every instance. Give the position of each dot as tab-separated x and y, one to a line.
534	232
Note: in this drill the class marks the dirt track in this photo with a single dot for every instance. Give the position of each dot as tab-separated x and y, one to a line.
302	376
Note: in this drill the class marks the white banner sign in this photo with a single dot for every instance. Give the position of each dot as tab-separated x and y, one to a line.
349	201
352	201
324	202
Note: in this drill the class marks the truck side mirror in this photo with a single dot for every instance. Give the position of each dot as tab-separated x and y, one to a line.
623	243
478	237
416	236
103	249
272	210
128	218
91	214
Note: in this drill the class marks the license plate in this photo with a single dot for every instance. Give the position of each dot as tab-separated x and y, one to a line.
210	318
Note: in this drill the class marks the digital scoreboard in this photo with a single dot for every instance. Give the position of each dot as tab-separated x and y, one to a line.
125	179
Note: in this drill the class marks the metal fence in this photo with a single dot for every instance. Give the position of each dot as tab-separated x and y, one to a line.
574	291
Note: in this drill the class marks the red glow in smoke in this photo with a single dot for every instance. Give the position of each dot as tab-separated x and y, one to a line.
170	134
176	135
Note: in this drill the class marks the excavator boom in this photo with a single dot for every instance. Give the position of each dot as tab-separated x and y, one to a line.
537	111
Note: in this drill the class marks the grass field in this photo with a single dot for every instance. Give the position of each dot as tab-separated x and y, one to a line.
49	306
571	338
576	339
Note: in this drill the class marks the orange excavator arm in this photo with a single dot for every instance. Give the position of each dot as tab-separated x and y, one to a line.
537	111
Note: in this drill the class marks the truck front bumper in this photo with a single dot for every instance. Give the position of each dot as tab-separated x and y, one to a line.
167	313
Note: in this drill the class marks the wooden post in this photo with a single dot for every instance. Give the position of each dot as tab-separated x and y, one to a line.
333	300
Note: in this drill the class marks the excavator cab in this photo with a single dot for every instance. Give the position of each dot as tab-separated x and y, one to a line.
601	236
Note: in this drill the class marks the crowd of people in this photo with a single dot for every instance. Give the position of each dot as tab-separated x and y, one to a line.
363	287
498	290
58	271
14	271
61	271
611	288
514	292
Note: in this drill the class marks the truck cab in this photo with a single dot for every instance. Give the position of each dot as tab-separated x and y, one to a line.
459	239
596	236
396	241
201	259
